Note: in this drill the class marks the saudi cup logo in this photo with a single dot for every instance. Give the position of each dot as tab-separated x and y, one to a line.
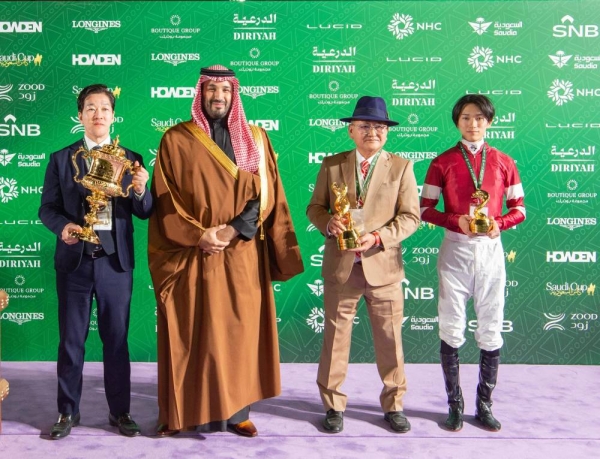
561	92
481	59
401	26
316	320
8	189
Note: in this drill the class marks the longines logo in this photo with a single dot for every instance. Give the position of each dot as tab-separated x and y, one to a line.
10	128
482	59
254	64
561	92
402	26
258	91
571	223
415	128
333	26
96	59
416	156
568	29
570	289
164	125
175	32
96	26
22	317
330	124
20	59
480	26
571	257
23	160
255	28
334	60
170	92
561	59
20	27
175	58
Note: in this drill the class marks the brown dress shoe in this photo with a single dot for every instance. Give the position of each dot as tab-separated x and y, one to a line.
244	428
164	431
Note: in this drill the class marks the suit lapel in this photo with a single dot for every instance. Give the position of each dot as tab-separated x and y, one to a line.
382	167
348	170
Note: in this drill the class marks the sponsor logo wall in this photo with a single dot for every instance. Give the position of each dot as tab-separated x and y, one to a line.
301	69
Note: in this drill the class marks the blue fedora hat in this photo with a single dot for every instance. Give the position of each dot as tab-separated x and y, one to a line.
371	109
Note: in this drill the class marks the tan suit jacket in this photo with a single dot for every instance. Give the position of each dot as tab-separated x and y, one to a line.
391	208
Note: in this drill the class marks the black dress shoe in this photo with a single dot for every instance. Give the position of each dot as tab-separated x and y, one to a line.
62	428
398	421
244	428
125	423
334	421
164	431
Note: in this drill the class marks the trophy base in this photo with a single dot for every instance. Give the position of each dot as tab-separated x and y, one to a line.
87	235
348	240
479	226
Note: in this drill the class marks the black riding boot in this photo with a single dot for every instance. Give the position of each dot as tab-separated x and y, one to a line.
488	373
450	365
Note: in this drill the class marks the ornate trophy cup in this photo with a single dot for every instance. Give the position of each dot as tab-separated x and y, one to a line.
480	223
109	164
349	238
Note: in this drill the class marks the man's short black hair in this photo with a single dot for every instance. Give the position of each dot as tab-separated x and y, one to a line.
94	89
484	104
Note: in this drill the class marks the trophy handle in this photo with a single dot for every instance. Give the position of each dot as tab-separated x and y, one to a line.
130	170
74	160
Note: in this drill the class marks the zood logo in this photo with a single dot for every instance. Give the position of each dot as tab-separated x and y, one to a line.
568	30
4	90
571	257
175	58
316	320
267	125
570	289
316	288
11	129
164	92
258	91
482	59
96	26
20	27
22	317
153	152
96	59
330	124
403	25
8	189
560	59
554	321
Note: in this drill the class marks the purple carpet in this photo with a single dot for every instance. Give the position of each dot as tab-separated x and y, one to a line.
546	412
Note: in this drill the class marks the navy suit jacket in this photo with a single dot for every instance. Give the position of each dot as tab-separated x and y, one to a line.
63	201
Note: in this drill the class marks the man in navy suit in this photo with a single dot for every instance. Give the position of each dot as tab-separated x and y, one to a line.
85	270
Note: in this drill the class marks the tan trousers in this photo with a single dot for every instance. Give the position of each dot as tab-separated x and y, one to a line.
385	305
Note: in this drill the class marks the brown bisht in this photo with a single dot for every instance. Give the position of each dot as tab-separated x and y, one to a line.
217	333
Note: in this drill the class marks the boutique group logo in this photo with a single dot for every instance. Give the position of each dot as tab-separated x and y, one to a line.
561	92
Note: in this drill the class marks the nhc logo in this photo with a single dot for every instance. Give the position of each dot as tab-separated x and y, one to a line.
316	320
561	92
8	189
401	26
481	59
571	257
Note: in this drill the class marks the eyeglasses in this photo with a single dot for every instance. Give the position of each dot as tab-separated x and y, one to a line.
366	128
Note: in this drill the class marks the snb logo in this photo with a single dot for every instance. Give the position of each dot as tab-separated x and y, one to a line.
568	30
507	326
570	257
553	322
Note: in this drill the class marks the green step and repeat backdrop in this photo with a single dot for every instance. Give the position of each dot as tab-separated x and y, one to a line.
302	66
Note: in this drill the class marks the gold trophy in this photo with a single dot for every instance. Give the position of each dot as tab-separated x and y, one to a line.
109	164
348	239
480	224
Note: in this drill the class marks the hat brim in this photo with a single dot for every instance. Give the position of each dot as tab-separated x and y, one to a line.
370	118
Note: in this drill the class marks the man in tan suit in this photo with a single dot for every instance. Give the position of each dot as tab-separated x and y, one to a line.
384	187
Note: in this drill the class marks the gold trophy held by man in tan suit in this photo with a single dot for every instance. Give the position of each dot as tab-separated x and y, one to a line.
382	190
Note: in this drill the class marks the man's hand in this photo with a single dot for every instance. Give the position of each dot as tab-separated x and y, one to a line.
336	225
463	224
210	243
227	234
140	177
66	235
366	241
494	231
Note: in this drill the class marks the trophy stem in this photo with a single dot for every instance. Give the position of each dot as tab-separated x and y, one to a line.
97	201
